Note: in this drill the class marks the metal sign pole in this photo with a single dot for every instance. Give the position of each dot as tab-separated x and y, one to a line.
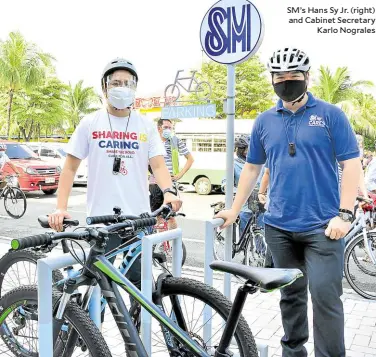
229	168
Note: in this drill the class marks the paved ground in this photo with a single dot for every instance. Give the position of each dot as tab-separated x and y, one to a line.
261	310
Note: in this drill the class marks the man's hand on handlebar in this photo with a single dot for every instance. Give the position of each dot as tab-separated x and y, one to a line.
56	219
175	201
229	216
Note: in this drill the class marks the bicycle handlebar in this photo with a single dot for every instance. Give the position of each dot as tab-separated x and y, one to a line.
114	218
97	234
44	239
216	204
363	199
43	221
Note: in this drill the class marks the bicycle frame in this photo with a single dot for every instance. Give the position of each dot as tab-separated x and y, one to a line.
112	278
108	278
132	251
192	78
358	225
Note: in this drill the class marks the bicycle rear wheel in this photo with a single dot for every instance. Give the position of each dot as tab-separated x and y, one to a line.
14	198
360	272
19	324
187	297
166	248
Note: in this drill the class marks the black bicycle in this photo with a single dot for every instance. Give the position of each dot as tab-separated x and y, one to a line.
251	248
14	199
173	303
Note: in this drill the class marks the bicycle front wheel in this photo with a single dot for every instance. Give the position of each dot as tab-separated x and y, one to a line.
19	327
203	91
15	202
359	269
187	299
19	267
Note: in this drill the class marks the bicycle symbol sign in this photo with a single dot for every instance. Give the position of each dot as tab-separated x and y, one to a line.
231	31
201	89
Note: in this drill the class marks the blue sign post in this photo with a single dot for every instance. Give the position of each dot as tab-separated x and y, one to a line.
231	32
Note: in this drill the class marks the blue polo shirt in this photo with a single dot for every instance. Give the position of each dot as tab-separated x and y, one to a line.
303	189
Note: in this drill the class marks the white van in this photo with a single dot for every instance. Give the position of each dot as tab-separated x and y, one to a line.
206	140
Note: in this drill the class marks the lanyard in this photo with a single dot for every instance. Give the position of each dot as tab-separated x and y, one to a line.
292	144
126	129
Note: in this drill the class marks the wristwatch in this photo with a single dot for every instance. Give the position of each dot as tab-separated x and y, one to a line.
170	190
346	215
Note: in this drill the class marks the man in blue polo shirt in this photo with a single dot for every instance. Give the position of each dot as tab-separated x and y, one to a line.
303	138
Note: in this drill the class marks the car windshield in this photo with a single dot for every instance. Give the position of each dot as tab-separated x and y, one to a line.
20	151
62	152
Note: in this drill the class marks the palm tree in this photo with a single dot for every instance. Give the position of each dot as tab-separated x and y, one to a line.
337	88
80	102
22	66
361	112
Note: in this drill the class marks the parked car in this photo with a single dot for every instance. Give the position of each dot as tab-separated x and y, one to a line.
54	152
35	174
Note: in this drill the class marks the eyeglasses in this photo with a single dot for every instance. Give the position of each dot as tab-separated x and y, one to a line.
129	83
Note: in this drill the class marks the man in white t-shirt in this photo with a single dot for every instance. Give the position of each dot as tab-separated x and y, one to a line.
118	144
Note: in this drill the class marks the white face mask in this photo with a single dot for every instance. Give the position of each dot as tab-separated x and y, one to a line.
166	133
121	97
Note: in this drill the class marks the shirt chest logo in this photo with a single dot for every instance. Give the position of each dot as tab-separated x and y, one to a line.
315	120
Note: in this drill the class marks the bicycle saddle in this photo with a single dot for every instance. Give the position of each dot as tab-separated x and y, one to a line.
264	278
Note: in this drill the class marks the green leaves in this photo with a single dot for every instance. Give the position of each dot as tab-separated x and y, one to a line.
80	101
254	92
32	98
337	88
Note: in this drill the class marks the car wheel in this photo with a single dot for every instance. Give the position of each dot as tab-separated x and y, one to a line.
203	186
50	192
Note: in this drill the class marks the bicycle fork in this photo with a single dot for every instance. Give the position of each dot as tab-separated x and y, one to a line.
176	315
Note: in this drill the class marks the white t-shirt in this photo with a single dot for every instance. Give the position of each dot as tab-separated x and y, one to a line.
128	189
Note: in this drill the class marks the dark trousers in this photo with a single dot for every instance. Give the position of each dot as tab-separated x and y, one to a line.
321	261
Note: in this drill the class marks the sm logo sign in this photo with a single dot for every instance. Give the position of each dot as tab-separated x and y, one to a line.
219	40
231	31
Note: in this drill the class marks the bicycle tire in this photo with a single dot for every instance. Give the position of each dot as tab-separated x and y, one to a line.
258	258
86	328
349	253
202	85
360	266
19	195
173	86
214	299
169	256
13	257
219	240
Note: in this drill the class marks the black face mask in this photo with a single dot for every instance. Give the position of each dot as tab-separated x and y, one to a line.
289	91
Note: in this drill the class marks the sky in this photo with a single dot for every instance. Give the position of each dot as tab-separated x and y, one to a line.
160	37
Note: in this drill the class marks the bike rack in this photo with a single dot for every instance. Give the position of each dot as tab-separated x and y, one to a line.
147	273
45	267
210	227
